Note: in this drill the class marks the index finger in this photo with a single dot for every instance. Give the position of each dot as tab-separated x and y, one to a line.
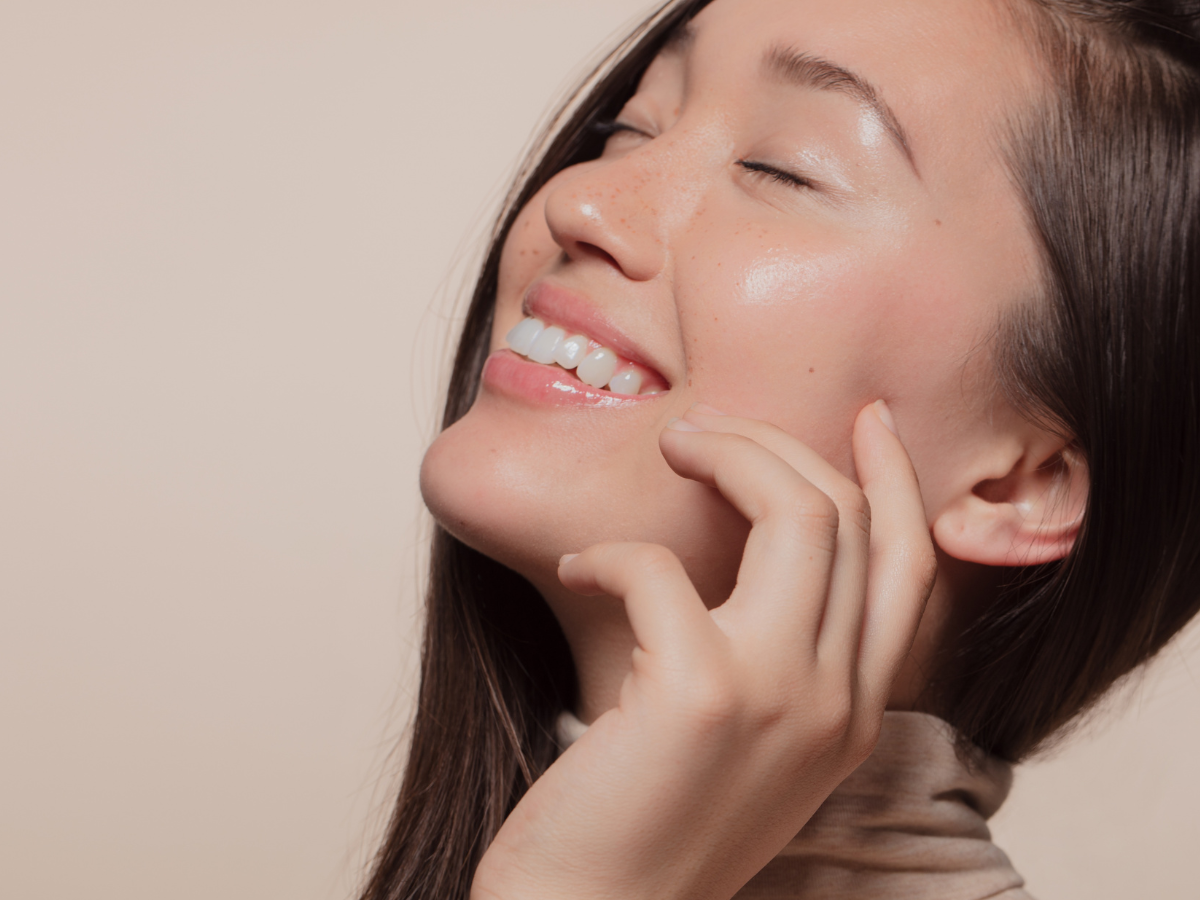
901	563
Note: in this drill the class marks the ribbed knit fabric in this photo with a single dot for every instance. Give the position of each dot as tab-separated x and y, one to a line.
909	824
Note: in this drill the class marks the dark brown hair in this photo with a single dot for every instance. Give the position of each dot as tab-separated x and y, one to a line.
1108	162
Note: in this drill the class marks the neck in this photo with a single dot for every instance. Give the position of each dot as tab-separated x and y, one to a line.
602	645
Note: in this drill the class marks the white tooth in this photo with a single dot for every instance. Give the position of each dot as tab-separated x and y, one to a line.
543	346
523	334
650	390
597	367
571	351
628	381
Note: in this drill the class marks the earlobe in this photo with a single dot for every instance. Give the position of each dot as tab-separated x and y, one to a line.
1029	516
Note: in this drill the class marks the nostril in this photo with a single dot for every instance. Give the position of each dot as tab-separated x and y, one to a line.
598	252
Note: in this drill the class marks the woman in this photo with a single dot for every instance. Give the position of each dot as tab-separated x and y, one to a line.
934	259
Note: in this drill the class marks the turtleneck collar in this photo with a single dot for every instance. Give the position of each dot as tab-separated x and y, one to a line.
909	824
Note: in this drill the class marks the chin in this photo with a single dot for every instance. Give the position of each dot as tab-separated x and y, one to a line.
465	485
524	490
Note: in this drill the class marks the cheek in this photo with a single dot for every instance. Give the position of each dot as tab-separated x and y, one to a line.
783	334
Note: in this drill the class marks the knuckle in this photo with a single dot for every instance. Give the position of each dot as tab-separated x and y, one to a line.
837	717
809	512
855	509
821	508
711	698
771	710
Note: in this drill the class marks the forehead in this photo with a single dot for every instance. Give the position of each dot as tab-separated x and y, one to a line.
954	71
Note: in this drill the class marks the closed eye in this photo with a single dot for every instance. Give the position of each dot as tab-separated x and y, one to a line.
608	127
779	175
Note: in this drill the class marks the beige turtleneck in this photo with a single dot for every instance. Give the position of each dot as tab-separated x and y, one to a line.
909	824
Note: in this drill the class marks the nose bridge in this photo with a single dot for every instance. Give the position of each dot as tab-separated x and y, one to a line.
631	207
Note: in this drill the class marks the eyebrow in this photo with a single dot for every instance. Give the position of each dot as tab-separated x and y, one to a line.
804	70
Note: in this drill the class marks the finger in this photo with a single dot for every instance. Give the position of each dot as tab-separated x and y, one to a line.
664	610
784	576
792	450
841	625
902	564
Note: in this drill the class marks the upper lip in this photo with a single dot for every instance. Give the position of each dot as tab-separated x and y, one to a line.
556	305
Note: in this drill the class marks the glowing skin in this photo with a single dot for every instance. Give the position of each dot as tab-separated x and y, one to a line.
879	276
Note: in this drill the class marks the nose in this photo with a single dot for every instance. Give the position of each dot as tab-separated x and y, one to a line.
618	211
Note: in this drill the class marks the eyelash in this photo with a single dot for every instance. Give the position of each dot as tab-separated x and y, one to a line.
775	174
608	127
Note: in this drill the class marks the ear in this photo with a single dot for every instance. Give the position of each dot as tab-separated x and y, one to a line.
1022	516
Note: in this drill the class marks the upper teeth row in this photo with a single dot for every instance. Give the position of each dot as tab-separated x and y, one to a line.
597	368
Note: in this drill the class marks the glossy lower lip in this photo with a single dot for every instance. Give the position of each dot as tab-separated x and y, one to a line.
515	376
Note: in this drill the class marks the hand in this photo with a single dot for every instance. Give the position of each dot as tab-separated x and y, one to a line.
734	724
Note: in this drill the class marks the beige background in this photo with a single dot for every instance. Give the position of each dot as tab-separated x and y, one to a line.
224	230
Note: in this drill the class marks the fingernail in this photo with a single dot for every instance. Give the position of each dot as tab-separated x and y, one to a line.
566	558
707	410
885	416
678	424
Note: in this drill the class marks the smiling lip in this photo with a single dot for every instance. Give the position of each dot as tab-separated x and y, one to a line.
561	307
515	376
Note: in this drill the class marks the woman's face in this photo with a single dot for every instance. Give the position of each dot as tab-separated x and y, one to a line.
804	211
